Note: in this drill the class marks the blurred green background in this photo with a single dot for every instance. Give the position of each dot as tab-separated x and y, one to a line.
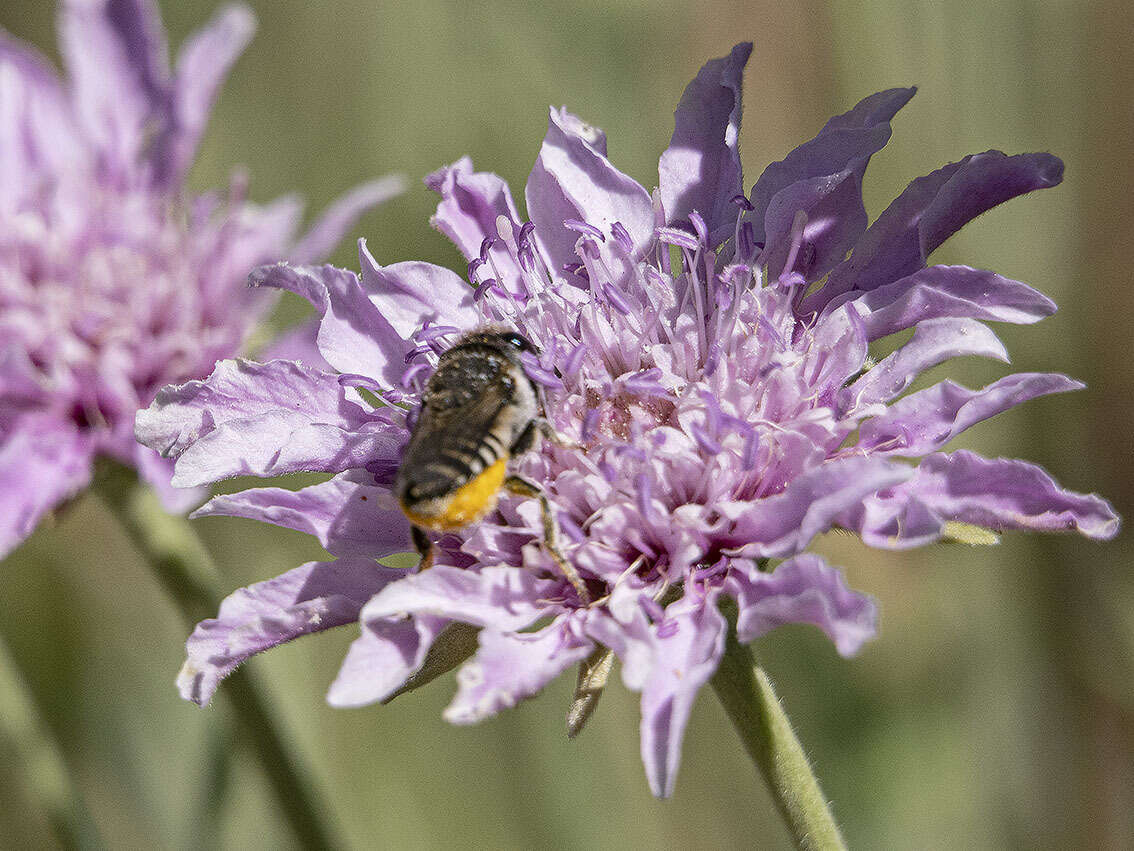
995	709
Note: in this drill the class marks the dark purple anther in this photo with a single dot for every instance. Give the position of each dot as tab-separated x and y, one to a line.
673	236
707	443
590	423
417	350
742	202
747	246
622	236
474	266
617	299
700	227
484	287
485	247
751	447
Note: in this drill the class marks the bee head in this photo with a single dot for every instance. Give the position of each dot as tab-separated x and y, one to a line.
516	340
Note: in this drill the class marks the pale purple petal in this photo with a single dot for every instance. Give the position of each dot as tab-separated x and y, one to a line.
297	344
928	419
510	666
380	660
203	64
503	598
412	293
700	170
116	61
846	142
470	204
353	335
37	131
934	341
929	211
784	524
349	515
941	291
996	494
572	180
42	463
803	589
683	661
317	596
241	390
336	221
836	219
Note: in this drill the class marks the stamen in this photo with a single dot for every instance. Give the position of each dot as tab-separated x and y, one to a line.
643	496
704	441
584	228
673	236
473	267
617	300
486	246
590	422
575	360
415	352
645	383
797	227
427	335
668	628
746	249
537	373
700	227
622	236
411	373
742	202
484	287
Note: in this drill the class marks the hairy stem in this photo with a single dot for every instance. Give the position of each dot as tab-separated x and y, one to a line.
187	573
751	703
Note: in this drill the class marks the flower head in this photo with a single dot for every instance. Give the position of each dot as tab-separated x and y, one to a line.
114	280
724	404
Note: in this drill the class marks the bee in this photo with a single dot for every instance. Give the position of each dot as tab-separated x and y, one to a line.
478	411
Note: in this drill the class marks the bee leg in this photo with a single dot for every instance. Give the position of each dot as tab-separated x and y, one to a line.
522	487
424	546
547	430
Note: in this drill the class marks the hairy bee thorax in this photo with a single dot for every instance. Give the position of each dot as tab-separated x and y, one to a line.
477	410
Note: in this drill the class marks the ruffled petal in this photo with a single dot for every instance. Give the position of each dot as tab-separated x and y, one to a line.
157	472
803	589
203	64
317	596
687	647
845	143
573	179
934	341
348	514
240	391
379	661
996	494
412	293
502	598
42	463
929	211
928	419
511	666
782	525
700	170
353	336
330	228
942	291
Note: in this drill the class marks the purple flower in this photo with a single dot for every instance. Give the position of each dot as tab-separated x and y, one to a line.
727	414
114	281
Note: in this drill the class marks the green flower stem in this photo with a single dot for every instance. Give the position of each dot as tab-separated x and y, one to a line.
32	753
751	703
186	571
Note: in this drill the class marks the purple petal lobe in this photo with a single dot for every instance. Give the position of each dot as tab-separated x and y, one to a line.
41	464
511	666
410	294
803	589
317	596
329	230
348	514
202	65
684	657
929	211
996	494
353	335
941	291
846	142
925	421
701	168
784	524
572	179
389	651
934	341
503	598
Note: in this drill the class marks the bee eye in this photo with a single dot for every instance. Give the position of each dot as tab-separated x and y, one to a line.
517	340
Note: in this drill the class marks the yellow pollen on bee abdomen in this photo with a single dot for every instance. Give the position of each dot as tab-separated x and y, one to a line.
470	502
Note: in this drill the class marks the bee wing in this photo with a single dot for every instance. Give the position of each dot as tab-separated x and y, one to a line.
462	429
